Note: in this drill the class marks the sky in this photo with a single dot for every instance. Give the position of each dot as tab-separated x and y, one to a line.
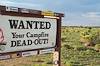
77	12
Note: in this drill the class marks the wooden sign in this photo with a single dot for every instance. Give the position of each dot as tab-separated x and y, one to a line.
25	32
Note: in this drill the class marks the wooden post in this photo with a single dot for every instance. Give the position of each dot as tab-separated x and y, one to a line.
57	53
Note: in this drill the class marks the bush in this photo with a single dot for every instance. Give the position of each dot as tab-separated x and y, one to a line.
97	46
80	48
63	38
89	37
69	64
68	46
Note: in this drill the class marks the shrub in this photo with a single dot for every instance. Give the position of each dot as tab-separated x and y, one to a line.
80	48
97	46
89	37
69	64
68	46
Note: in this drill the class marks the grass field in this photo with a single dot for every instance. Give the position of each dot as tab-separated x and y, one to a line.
73	52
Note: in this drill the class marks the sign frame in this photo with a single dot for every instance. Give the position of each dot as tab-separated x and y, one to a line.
36	14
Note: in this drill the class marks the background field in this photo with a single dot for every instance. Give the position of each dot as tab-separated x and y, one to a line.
73	52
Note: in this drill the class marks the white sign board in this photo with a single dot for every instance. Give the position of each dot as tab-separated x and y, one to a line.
26	33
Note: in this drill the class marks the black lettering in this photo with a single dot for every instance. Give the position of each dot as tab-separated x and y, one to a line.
14	35
13	43
29	24
21	25
48	25
29	42
13	24
24	43
18	42
36	24
45	41
42	25
36	42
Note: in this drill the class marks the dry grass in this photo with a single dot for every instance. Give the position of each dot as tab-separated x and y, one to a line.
26	61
